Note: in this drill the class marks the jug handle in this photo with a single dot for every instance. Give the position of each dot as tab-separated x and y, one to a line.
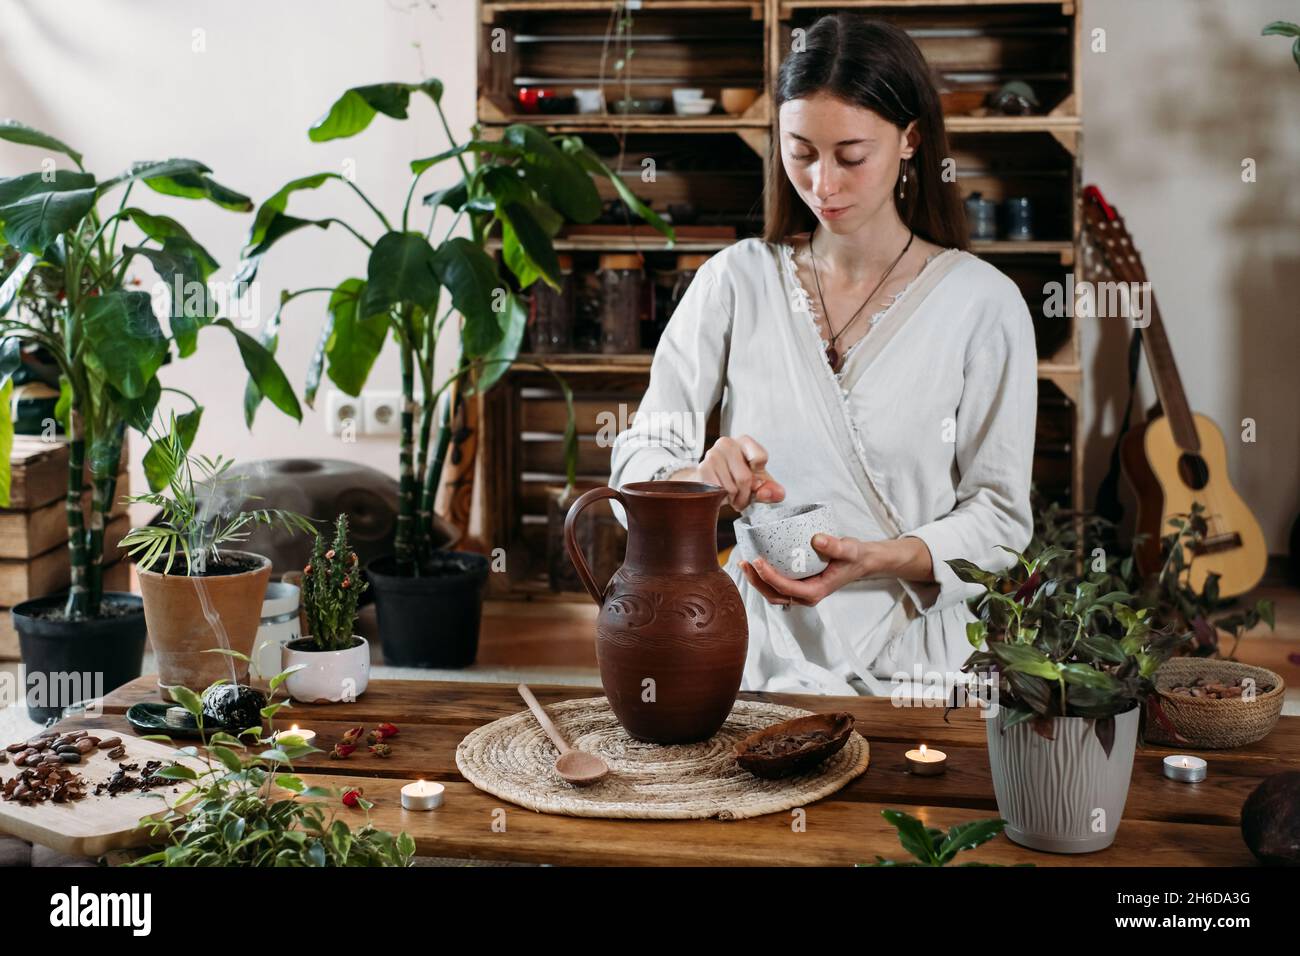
571	537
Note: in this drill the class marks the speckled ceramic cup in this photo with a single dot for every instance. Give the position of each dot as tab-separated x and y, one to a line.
782	536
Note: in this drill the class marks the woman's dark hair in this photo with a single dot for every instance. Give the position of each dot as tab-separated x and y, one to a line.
875	65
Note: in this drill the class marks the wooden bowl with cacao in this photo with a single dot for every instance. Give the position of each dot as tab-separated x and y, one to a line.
794	746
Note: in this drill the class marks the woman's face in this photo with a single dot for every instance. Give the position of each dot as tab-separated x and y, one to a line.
842	159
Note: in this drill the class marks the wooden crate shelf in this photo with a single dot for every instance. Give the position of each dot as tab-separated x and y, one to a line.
973	45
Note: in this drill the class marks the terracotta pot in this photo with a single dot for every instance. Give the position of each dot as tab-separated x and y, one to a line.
671	635
180	632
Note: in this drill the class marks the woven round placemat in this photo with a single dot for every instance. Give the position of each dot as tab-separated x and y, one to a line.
512	758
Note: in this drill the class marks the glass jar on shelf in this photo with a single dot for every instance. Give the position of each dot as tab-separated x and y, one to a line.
551	313
624	302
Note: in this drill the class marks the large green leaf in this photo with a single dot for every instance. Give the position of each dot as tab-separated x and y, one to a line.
192	305
136	412
159	468
353	111
275	206
265	371
11	357
123	339
159	228
512	322
155	169
16	132
200	186
453	197
583	155
401	269
471	276
355	339
526	246
34	209
487	147
13	283
554	174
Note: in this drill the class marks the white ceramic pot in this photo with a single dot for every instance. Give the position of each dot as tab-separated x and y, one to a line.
1063	795
782	536
328	677
278	627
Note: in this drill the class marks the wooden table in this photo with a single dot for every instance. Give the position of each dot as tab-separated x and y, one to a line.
1165	823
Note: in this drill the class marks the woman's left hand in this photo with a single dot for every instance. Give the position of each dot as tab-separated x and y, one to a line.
849	559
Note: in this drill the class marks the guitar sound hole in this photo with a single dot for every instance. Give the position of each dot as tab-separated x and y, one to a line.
1193	470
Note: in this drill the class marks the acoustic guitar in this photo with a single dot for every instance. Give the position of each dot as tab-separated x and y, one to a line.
1179	456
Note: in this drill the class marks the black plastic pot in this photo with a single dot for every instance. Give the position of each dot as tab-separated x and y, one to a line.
71	661
432	620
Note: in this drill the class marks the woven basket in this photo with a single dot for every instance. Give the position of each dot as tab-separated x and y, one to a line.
1209	724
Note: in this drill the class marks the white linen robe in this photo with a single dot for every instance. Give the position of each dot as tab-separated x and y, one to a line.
928	431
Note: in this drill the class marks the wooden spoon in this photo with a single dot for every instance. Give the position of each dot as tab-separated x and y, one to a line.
575	766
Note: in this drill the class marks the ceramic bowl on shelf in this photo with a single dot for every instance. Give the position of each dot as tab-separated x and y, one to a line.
590	100
686	94
737	99
782	536
700	107
629	106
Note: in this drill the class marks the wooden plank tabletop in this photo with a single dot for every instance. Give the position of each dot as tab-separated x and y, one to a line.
1165	823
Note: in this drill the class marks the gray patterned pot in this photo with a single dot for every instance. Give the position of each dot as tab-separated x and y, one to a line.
1063	795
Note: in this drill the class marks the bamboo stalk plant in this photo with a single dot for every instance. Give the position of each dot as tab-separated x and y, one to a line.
65	289
521	188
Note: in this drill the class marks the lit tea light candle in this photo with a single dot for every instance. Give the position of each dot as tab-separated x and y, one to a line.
295	731
422	795
926	763
1185	768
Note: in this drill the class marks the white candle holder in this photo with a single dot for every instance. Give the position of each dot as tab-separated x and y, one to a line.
925	762
422	795
1185	768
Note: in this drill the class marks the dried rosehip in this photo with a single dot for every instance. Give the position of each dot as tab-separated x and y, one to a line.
387	729
329	555
381	750
352	796
342	750
353	737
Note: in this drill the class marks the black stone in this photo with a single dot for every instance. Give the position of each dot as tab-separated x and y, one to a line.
233	705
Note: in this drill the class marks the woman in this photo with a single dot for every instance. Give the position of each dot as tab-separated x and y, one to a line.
862	358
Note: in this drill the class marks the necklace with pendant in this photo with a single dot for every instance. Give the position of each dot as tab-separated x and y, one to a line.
832	351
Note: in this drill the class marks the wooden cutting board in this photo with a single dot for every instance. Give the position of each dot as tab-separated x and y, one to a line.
95	824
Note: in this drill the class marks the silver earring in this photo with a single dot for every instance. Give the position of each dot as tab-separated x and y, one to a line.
902	165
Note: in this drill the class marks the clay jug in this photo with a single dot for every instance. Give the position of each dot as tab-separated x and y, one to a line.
671	635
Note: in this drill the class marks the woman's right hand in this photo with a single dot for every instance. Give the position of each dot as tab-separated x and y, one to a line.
738	465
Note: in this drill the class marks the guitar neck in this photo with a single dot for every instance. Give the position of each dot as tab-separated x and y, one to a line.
1110	238
1169	385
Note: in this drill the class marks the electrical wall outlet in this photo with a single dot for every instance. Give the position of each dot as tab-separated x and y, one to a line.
382	413
343	413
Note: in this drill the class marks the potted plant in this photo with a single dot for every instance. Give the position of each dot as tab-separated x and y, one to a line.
65	290
330	663
248	809
520	189
1069	666
212	599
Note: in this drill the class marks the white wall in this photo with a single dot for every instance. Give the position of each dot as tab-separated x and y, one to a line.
122	81
1184	92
